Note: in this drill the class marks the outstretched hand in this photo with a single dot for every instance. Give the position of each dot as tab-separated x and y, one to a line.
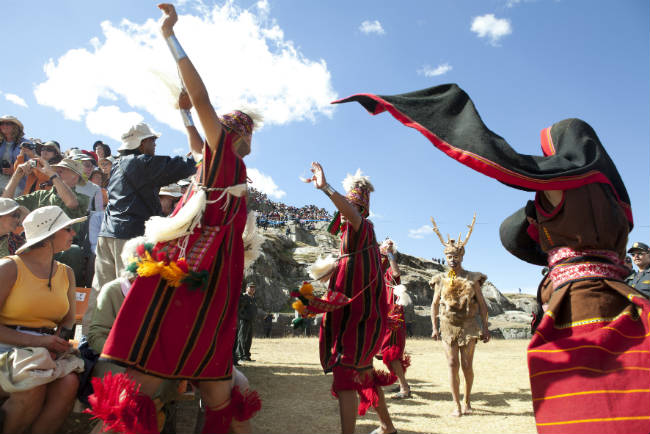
168	19
318	177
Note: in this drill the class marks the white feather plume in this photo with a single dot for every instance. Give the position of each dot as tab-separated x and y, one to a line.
383	247
403	297
357	180
322	269
252	240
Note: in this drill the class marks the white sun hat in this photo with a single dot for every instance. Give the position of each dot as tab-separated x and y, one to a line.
43	222
7	206
136	134
173	190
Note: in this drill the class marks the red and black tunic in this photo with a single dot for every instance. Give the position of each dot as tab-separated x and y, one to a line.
189	333
351	336
392	347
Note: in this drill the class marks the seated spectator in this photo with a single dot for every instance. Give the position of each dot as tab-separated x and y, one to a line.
106	164
11	216
169	196
101	149
65	176
12	134
37	314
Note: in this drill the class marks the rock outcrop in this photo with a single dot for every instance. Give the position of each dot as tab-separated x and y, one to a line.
287	255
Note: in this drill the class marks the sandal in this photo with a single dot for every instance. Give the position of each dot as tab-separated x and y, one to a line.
378	431
394	389
401	395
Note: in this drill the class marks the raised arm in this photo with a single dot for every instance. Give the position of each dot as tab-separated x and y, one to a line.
193	137
191	79
342	204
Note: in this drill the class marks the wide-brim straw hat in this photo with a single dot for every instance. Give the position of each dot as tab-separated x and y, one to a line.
137	133
43	222
12	119
7	206
173	190
75	166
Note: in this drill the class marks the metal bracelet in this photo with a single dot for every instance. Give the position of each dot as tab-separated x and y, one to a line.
328	190
175	48
187	118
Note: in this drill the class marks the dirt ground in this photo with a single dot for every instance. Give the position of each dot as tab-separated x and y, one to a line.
296	399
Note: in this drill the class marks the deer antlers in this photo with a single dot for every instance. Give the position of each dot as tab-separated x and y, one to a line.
459	242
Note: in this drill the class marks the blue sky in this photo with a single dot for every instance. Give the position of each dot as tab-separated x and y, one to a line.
77	72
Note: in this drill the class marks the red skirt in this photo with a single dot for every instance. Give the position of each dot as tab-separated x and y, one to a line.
180	332
593	375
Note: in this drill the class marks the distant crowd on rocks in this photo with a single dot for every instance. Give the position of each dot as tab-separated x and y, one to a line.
277	214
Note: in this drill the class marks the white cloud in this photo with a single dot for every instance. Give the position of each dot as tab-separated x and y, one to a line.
264	183
110	121
441	69
420	232
368	27
11	97
490	26
243	57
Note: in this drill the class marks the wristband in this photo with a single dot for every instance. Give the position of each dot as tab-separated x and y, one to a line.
187	118
328	190
56	175
175	48
390	256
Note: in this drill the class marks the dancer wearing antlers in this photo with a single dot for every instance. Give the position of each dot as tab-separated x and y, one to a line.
457	298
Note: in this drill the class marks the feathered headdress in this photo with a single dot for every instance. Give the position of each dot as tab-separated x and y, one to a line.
357	188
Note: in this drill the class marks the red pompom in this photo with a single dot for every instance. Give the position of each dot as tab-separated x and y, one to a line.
140	250
245	405
182	264
118	403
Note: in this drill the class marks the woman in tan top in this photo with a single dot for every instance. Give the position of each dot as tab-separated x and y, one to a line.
33	275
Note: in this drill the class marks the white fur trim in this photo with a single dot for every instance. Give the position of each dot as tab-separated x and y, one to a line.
159	229
252	240
322	268
403	297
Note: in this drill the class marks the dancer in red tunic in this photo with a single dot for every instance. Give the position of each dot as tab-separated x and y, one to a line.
355	306
392	347
179	319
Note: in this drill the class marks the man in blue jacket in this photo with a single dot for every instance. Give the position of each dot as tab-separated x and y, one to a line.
136	179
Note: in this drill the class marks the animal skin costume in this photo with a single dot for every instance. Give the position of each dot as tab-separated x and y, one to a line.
589	356
458	304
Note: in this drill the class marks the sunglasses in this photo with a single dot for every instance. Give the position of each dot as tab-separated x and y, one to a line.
49	149
68	229
16	214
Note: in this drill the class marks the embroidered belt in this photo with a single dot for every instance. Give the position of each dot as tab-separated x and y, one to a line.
567	265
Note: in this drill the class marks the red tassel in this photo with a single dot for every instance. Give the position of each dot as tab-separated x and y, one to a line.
118	403
368	395
382	378
218	421
406	362
245	405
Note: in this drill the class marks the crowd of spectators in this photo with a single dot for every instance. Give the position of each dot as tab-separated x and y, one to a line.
272	214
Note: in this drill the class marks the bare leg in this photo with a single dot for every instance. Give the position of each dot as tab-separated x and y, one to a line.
215	393
348	404
454	365
148	383
466	362
396	366
22	408
382	412
59	400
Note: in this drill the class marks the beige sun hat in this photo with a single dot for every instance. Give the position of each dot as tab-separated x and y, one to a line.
12	119
43	222
136	134
7	206
74	165
173	190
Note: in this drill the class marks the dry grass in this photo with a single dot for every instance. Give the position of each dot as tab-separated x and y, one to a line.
296	397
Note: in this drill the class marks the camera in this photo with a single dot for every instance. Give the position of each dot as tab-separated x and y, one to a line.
33	163
5	164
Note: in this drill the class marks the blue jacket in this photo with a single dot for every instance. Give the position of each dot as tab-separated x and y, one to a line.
133	191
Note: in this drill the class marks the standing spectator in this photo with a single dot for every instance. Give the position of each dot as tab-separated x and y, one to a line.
27	153
37	180
246	313
169	196
640	280
106	164
132	200
11	136
65	176
11	216
101	149
268	324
